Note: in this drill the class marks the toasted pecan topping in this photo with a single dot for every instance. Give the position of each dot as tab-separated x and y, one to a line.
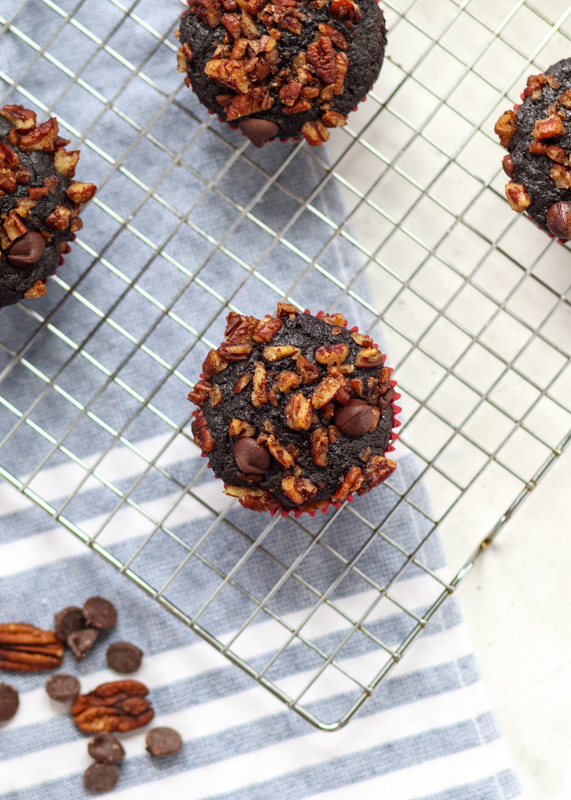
202	433
280	352
238	427
308	372
549	128
213	364
506	127
318	444
267	329
517	195
298	412
299	490
334	354
199	394
260	385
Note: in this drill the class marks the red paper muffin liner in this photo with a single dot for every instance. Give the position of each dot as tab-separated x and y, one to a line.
337	503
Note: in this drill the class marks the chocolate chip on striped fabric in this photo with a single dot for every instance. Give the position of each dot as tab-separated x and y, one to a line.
63	687
9	701
106	749
124	657
68	621
99	613
163	742
81	642
99	778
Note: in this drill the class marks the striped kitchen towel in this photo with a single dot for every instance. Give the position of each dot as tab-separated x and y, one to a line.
185	211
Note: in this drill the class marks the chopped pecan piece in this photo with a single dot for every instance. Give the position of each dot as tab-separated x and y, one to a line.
228	5
298	412
267	329
239	51
202	433
537	149
21	118
332	355
549	128
299	490
351	483
260	385
239	329
286	310
215	396
59	218
52	183
334	319
336	36
116	706
234	352
517	195
76	224
80	193
377	470
357	387
327	411
254	499
199	394
21	173
65	162
559	174
315	132
534	87
238	427
232	24
181	64
256	99
224	99
9	155
308	372
318	444
345	9
249	27
13	226
41	138
281	454
242	382
23	207
557	154
506	127
290	92
213	364
24	648
326	390
333	434
280	352
369	357
36	291
343	395
321	56
300	105
230	72
310	91
366	455
362	339
341	67
8	181
565	99
287	381
207	11
333	119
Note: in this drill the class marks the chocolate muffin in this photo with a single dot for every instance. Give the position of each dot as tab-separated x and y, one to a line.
296	412
282	68
39	202
537	137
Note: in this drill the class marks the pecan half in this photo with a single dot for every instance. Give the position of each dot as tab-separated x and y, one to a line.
234	352
22	118
298	412
59	219
299	490
255	499
321	56
506	127
267	329
318	444
80	193
239	329
239	427
24	648
369	357
351	483
377	470
332	355
280	352
242	382
202	433
326	390
41	138
315	132
200	392
230	72
341	67
286	381
260	385
213	364
517	195
115	706
549	128
308	372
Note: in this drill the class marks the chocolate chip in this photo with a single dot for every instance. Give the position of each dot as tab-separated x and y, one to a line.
81	642
9	701
508	165
68	621
558	220
251	457
124	657
63	687
258	131
27	250
355	418
106	749
163	742
99	613
99	778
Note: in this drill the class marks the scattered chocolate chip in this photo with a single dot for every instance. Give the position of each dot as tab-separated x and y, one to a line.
106	749
124	657
163	742
9	702
81	642
251	457
99	778
508	165
258	131
99	613
558	220
68	621
27	250
63	687
355	418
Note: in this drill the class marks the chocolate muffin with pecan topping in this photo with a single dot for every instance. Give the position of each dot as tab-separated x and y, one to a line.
296	412
537	136
282	67
39	202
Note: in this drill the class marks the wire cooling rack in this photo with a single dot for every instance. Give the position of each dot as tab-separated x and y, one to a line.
470	300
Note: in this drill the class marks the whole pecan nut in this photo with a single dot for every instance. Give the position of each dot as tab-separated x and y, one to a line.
202	433
199	394
115	706
239	329
267	329
25	648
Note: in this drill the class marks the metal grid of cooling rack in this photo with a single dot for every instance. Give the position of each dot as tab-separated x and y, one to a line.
470	301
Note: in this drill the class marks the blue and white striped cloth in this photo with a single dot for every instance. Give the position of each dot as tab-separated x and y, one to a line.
428	732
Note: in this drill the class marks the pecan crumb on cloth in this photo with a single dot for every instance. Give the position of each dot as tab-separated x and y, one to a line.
282	68
295	411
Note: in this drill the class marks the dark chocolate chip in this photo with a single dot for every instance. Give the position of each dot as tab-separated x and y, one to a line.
251	457
387	398
99	613
163	742
258	131
106	749
81	642
68	621
558	220
508	165
355	418
9	702
99	778
124	657
63	687
27	250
